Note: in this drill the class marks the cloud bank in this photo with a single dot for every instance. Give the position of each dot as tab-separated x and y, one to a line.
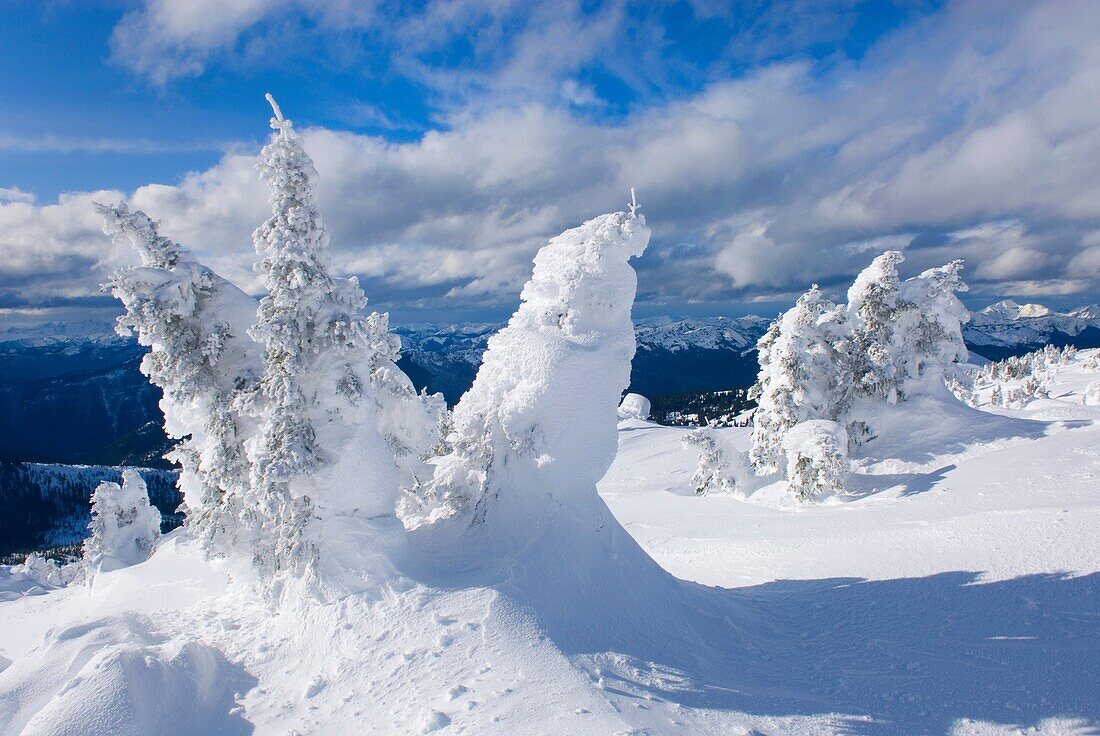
972	132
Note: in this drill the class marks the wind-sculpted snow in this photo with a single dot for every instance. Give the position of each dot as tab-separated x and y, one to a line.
117	675
536	430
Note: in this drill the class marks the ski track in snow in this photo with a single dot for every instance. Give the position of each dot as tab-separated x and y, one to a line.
957	591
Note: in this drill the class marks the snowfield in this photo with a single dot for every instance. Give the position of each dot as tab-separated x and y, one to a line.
957	590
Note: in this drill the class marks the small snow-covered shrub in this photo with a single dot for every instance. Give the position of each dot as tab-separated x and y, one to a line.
47	572
634	406
718	465
1092	394
125	527
817	459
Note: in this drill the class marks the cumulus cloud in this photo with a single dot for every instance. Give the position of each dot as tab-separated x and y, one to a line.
970	134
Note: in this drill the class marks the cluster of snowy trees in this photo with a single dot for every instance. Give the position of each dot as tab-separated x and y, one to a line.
296	421
290	410
1016	381
294	417
826	368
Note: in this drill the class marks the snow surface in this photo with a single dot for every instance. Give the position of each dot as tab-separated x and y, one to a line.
957	591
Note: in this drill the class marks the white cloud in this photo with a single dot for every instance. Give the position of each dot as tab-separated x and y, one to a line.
972	132
15	194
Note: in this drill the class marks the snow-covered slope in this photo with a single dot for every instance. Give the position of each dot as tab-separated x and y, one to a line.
956	592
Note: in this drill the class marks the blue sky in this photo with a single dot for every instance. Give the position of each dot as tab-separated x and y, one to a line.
773	144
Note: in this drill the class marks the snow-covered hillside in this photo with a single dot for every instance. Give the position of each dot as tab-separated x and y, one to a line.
955	591
886	558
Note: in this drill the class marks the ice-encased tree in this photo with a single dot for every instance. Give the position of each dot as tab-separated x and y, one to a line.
537	429
125	527
330	389
802	374
874	304
195	324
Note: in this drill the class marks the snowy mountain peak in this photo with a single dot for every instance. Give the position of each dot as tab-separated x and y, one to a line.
1090	312
1008	309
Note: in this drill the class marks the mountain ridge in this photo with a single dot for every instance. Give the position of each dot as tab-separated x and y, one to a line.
72	392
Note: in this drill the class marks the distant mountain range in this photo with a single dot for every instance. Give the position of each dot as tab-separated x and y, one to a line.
72	393
1007	328
673	356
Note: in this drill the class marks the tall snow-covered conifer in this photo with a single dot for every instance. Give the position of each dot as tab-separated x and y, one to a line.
193	321
334	410
873	306
309	327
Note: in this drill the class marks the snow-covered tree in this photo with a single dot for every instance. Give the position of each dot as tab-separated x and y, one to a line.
125	527
289	409
719	465
329	379
819	361
310	328
802	360
194	323
1091	396
874	305
537	429
928	335
817	458
46	572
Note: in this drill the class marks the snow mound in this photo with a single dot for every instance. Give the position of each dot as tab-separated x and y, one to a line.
114	675
634	406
